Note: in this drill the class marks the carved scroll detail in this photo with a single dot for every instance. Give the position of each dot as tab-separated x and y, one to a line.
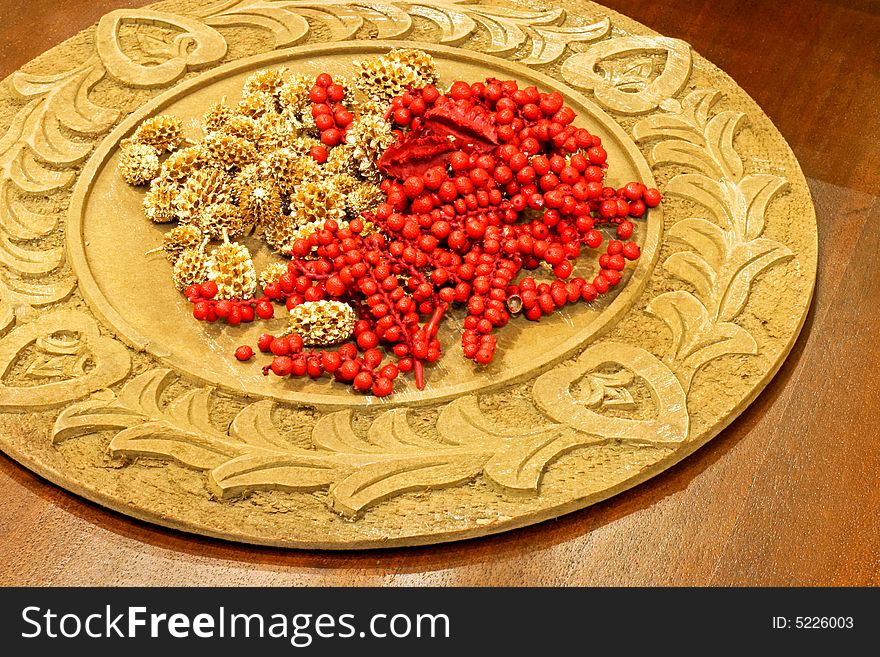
391	459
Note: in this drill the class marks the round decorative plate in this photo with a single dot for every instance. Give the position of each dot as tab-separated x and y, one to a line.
112	391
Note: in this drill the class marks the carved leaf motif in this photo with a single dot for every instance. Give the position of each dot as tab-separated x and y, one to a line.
287	27
253	425
696	338
506	25
34	154
549	43
92	416
669	126
686	154
60	355
520	465
461	422
610	390
745	262
755	193
719	141
724	263
704	237
160	439
192	410
297	471
143	394
333	432
455	26
693	269
384	479
391	431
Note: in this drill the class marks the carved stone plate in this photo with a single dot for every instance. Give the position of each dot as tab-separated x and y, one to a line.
112	391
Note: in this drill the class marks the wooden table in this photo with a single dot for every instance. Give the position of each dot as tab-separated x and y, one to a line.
787	495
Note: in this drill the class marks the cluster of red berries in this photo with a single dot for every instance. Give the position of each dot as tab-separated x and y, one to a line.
483	182
233	311
515	156
332	118
364	372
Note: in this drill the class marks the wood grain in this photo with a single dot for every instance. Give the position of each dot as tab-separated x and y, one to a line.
786	495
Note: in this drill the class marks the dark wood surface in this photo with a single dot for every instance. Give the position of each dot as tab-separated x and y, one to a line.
787	495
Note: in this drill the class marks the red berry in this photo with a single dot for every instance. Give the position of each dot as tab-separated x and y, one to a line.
625	229
208	289
319	153
263	344
244	353
382	386
335	92
593	239
282	366
652	197
280	346
331	137
265	310
367	340
363	381
201	309
631	251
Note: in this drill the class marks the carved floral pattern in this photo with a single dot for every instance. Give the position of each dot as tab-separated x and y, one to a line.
58	336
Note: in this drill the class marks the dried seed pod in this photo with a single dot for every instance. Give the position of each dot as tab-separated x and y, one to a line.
190	268
217	116
363	198
281	166
317	201
340	160
159	201
294	94
275	131
182	163
228	151
244	127
368	138
138	163
223	219
164	133
322	322
260	202
302	146
385	77
179	239
202	189
288	230
306	169
344	183
268	81
230	266
257	104
272	273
